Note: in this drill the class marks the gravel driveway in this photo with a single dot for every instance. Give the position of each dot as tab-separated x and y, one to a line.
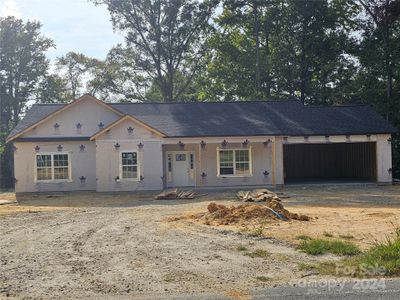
94	252
113	246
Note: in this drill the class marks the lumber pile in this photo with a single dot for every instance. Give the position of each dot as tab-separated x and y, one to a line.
258	195
175	194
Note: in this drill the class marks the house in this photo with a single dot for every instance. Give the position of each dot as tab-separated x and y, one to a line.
92	145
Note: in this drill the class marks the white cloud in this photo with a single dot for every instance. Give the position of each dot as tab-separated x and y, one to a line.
9	8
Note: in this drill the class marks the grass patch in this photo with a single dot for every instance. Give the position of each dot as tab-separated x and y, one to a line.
303	237
241	248
320	246
381	259
257	253
327	234
263	278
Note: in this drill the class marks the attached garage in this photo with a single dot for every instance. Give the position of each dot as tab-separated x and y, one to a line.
330	162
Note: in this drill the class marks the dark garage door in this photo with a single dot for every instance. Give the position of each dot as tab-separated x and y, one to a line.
330	162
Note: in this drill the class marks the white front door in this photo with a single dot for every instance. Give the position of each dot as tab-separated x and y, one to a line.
181	168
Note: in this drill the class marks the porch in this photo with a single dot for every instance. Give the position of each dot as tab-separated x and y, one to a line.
222	162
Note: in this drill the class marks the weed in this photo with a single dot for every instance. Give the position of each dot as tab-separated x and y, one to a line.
257	253
383	256
258	231
320	246
303	237
168	278
241	248
263	278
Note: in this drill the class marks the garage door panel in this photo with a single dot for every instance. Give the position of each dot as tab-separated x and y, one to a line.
341	161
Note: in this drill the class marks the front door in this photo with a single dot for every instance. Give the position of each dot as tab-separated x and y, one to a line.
181	168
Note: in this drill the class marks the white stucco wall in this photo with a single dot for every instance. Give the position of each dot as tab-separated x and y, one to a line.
83	163
261	160
150	158
108	165
383	158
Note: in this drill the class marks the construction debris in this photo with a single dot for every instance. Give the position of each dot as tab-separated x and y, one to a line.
175	194
259	195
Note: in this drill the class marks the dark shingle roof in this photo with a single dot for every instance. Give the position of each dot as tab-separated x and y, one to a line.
241	118
36	113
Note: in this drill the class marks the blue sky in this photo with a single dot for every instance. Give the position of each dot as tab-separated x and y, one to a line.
74	25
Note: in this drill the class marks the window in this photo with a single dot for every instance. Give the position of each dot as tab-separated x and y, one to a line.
129	165
180	157
234	162
53	167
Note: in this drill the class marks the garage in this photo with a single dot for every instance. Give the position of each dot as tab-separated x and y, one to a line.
341	162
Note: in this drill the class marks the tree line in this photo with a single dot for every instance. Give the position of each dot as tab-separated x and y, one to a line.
321	52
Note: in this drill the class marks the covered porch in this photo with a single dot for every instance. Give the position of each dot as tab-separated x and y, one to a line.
222	161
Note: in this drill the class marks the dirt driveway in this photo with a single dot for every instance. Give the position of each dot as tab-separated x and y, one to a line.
115	245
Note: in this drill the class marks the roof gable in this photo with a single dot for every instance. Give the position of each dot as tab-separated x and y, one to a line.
40	113
122	120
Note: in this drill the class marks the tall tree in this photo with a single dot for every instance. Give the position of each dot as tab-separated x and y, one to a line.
79	72
167	36
23	65
381	25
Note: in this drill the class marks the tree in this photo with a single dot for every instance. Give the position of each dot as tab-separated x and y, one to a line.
53	89
79	72
280	48
23	65
384	19
167	37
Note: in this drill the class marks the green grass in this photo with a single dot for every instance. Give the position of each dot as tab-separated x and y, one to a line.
321	246
257	253
263	278
241	248
383	258
303	237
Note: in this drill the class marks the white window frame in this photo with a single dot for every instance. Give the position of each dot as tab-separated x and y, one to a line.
69	179
138	165
234	163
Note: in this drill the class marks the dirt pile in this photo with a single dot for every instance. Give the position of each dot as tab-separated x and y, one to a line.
272	210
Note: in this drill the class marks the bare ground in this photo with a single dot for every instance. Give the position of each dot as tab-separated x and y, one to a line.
96	245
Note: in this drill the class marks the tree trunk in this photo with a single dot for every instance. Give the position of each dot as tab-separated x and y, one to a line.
257	50
388	62
267	62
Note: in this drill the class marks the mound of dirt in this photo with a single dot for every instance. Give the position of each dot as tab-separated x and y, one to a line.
272	210
218	214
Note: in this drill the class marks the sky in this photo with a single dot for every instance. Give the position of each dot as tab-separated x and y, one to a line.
74	25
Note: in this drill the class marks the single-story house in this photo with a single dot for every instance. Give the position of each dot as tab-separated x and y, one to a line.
92	145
